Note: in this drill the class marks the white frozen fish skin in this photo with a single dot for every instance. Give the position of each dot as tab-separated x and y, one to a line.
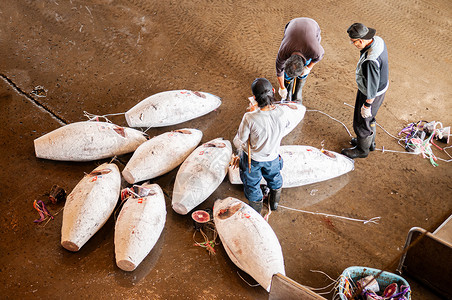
249	240
89	205
87	141
138	227
295	113
305	165
170	108
161	154
200	174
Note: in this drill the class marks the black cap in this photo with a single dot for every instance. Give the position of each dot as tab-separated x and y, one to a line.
360	31
261	86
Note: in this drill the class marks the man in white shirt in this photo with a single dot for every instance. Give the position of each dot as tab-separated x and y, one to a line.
259	136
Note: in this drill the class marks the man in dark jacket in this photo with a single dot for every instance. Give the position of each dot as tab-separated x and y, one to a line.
300	50
372	78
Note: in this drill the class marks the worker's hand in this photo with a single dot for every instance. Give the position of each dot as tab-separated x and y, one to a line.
251	107
282	93
366	112
305	72
253	104
234	163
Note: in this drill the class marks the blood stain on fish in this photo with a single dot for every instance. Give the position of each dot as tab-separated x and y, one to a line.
214	145
228	212
184	131
199	94
120	131
100	172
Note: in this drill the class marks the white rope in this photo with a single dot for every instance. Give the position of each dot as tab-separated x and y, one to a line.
132	192
446	160
347	277
117	114
251	285
387	132
349	105
321	272
267	216
378	125
374	220
442	159
332	118
114	158
91	116
148	128
333	283
327	292
396	151
399	139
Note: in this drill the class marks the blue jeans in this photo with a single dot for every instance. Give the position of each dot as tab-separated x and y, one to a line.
270	170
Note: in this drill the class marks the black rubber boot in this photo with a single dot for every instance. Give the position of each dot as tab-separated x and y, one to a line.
373	145
361	150
289	86
257	205
298	92
265	192
373	126
275	196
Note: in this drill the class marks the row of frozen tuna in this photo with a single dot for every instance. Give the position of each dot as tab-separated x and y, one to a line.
97	140
203	168
90	205
141	220
87	141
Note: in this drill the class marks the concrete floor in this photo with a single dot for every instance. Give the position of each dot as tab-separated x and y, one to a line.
104	56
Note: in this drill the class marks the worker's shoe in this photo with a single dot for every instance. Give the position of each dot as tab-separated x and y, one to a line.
274	196
361	150
373	145
257	205
265	192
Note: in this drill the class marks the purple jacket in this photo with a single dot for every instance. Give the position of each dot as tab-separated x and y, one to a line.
300	35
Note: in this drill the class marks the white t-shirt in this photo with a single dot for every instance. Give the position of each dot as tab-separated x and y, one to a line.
265	129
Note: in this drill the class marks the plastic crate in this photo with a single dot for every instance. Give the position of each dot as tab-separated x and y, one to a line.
356	273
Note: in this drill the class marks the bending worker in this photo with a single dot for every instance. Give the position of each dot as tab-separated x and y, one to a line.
300	50
261	132
372	78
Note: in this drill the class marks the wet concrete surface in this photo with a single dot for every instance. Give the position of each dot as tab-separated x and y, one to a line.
105	56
